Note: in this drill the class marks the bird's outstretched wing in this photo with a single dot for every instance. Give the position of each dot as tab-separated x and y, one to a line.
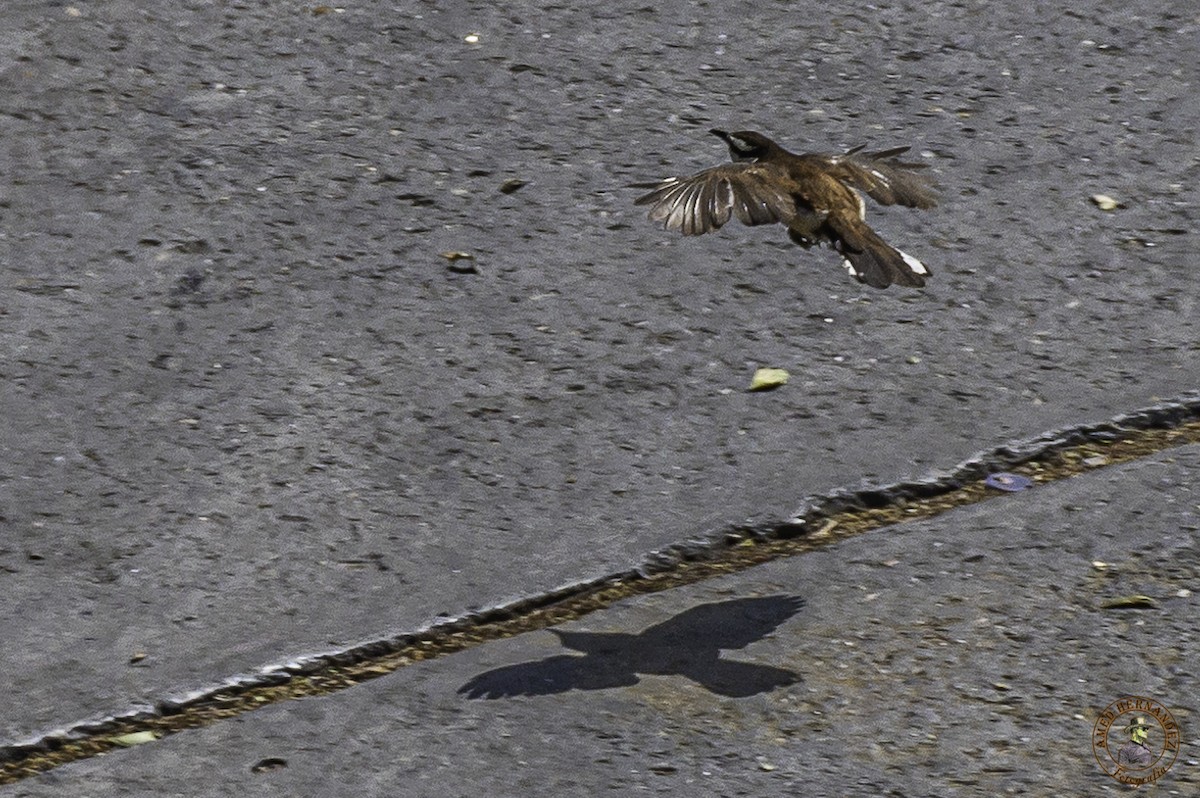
885	179
546	677
755	193
601	643
738	679
724	624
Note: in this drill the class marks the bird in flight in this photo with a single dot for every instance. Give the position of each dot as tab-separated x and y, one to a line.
815	195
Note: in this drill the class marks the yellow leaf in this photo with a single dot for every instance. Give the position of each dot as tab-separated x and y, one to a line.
135	738
768	379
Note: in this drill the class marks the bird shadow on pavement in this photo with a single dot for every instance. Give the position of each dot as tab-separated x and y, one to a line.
687	645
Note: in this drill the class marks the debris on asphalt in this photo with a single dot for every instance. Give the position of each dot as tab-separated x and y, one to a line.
767	379
270	763
1007	482
135	738
1130	603
460	262
1105	202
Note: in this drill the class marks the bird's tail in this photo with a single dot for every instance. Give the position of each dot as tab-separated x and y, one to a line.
873	261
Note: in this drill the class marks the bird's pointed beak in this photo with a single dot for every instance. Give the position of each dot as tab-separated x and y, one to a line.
721	134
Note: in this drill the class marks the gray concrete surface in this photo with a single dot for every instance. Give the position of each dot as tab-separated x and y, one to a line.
249	413
965	655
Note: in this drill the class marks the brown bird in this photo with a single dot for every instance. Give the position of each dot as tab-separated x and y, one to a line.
815	195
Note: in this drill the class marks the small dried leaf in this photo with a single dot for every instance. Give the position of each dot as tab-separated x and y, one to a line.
828	527
768	379
1136	602
509	186
1105	202
461	262
135	738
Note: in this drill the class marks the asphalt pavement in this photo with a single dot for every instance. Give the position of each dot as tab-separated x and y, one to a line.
970	654
252	413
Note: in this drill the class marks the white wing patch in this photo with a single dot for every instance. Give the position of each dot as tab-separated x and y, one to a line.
914	264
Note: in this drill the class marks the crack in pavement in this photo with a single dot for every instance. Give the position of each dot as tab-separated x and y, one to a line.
818	522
